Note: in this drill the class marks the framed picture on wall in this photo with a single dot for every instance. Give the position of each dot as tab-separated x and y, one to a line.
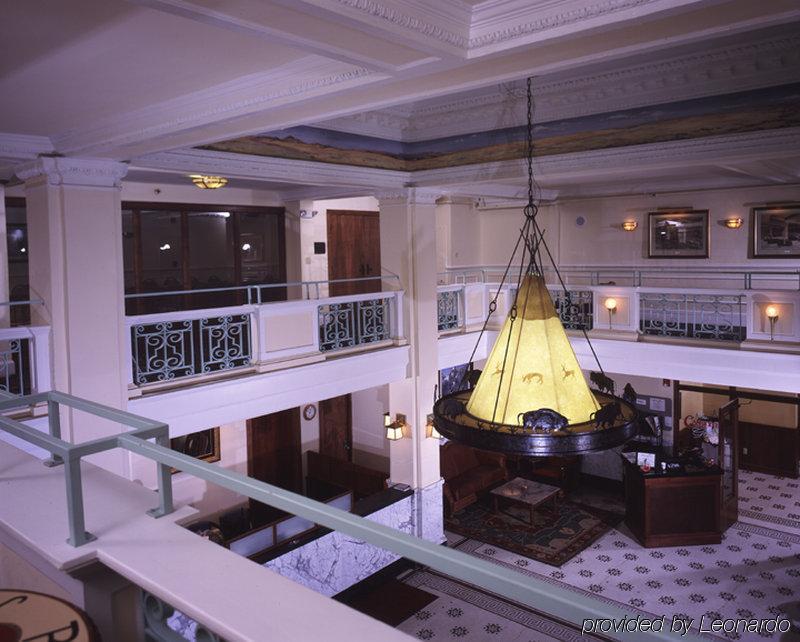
453	379
202	445
681	234
776	232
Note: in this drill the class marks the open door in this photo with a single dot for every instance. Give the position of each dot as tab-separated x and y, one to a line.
336	428
729	462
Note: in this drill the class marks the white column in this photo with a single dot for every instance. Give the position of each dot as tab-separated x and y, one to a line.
408	249
5	311
76	268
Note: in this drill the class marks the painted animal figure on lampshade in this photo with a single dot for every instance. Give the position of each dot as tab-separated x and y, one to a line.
606	416
543	419
566	373
603	382
629	394
528	377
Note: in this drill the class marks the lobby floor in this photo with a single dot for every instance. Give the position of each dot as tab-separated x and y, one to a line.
753	573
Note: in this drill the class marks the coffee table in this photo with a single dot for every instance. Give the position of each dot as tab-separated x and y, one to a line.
525	492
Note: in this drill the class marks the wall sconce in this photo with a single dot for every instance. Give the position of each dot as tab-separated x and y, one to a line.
630	226
611	306
430	429
394	429
733	223
772	315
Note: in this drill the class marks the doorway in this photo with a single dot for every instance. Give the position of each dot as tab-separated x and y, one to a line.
274	455
336	428
354	251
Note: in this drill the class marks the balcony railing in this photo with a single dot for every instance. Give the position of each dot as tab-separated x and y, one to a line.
717	317
168	347
25	359
666	313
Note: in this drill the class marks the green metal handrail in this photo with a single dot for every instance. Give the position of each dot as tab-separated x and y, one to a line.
540	594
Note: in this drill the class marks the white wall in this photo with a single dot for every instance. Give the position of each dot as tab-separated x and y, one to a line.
600	240
169	193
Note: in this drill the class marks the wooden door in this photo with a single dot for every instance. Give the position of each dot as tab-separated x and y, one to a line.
354	250
729	462
273	449
336	428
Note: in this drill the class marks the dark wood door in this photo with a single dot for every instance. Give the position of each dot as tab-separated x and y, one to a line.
729	462
354	250
336	428
273	449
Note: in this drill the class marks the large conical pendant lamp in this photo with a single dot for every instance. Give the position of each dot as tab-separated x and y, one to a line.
532	365
531	397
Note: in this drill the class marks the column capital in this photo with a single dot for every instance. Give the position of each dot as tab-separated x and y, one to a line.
409	195
79	172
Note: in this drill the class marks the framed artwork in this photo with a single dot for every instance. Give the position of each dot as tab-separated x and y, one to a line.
776	232
450	379
203	445
682	234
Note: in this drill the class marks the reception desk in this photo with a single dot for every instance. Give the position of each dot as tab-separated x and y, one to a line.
674	508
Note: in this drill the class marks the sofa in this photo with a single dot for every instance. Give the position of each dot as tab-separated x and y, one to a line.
468	472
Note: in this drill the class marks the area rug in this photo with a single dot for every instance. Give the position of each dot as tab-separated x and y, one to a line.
553	538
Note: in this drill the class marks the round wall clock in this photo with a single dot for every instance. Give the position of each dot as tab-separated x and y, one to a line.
309	412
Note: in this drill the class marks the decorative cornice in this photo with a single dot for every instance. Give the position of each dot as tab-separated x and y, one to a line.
410	195
19	147
74	171
406	21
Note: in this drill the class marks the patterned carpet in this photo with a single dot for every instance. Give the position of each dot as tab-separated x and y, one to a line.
548	540
769	500
470	615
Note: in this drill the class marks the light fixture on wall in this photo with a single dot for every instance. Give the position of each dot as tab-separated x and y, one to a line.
733	223
208	182
430	429
630	226
611	305
394	429
772	314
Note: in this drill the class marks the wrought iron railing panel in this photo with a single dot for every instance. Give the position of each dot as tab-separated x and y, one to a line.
575	308
718	317
15	374
447	303
168	350
353	323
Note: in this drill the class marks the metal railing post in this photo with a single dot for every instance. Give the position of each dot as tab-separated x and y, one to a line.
54	424
165	506
77	525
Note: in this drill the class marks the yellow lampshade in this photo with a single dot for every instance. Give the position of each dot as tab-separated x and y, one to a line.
541	370
610	303
772	311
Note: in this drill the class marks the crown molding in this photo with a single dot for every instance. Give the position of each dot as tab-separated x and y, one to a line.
281	170
18	147
410	195
298	80
79	172
731	68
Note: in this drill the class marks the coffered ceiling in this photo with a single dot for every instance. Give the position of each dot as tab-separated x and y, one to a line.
148	80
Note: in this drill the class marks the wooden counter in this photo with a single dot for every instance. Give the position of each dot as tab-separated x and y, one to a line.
675	508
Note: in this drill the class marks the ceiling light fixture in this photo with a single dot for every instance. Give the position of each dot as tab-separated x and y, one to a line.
208	182
531	397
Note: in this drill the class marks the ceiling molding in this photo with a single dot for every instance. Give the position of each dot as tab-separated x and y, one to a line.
80	172
18	147
271	169
298	80
731	68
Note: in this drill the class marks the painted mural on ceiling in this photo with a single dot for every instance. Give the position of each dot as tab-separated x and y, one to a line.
766	109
